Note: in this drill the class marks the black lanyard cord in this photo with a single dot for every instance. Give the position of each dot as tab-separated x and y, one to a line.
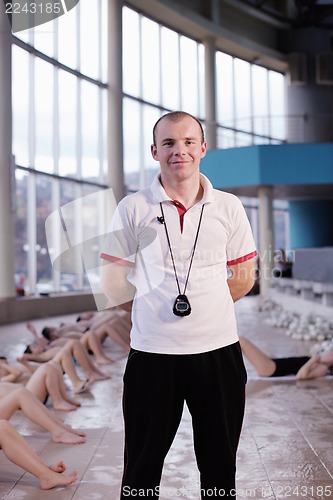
171	253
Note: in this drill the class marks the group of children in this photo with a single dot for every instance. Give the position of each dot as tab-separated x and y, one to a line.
39	374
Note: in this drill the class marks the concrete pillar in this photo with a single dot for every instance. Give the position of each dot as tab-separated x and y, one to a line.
210	92
7	265
266	238
215	11
115	107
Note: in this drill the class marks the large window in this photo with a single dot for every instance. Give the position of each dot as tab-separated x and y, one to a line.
60	119
250	103
44	104
162	71
68	125
21	106
59	134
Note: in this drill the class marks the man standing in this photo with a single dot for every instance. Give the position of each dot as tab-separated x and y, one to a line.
184	343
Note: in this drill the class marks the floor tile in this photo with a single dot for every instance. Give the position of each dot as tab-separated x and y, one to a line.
286	442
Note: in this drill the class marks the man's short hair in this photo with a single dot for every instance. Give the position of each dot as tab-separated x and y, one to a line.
176	116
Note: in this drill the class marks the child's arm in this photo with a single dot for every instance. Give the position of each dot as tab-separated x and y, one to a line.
313	368
13	373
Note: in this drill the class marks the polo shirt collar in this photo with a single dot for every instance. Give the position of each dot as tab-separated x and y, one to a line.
160	195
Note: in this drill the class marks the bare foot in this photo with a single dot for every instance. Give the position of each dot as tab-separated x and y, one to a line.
78	432
67	437
327	358
72	401
103	360
97	375
82	387
59	467
64	406
54	479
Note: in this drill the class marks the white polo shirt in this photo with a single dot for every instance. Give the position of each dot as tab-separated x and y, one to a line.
139	238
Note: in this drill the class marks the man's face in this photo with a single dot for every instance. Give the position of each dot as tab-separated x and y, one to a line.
178	148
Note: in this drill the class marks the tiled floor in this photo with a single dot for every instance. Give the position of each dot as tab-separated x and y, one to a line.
285	449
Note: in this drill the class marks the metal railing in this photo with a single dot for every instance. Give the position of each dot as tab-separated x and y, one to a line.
303	128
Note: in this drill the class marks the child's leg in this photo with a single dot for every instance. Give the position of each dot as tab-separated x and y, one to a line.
82	357
45	381
65	359
19	452
264	365
61	384
90	341
23	399
117	332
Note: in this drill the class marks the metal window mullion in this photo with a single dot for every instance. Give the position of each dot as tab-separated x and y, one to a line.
56	233
100	31
140	57
100	94
100	135
233	97
55	183
78	37
180	74
251	103
56	131
56	39
69	179
32	232
79	129
269	117
78	230
32	37
198	83
32	112
78	96
141	154
53	61
31	188
160	64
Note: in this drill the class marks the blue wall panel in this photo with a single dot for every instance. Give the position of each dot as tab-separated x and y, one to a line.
311	223
269	164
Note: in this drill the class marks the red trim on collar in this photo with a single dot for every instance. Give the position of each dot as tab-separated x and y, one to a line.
181	210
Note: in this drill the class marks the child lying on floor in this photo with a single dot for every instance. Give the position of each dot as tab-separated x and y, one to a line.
304	367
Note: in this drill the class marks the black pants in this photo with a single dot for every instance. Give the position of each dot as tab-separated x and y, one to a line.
155	388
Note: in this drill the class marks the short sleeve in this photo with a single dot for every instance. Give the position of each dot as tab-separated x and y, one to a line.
120	244
240	246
